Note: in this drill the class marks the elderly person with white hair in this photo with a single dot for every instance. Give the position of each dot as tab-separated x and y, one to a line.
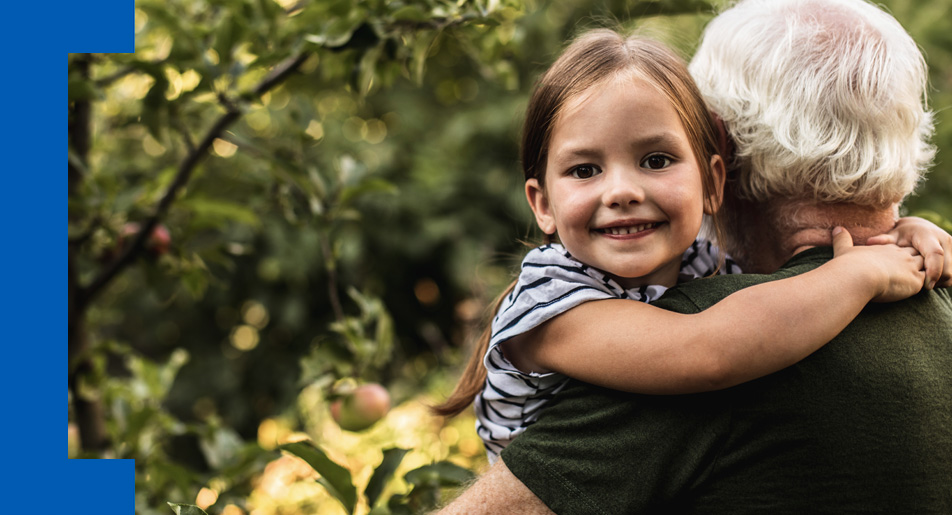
824	102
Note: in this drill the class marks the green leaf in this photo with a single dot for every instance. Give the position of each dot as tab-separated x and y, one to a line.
154	106
229	34
221	209
186	509
421	48
368	70
410	13
383	473
334	477
443	473
195	280
398	505
339	25
365	187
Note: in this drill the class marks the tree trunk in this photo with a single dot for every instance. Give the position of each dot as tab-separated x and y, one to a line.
88	414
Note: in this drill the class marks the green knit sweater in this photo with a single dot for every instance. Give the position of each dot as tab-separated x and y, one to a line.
864	425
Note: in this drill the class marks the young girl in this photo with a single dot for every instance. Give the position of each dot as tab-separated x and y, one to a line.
620	159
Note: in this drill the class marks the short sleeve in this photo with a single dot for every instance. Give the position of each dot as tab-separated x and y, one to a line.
551	282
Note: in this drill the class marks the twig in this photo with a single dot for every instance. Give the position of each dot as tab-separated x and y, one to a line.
194	157
331	267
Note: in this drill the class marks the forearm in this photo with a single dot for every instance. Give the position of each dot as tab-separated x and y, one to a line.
770	326
497	491
631	346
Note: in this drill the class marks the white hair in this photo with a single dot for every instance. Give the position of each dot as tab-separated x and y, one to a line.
824	99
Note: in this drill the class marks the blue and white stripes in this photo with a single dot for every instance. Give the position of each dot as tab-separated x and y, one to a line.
552	282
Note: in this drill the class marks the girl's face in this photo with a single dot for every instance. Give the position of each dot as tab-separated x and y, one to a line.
622	186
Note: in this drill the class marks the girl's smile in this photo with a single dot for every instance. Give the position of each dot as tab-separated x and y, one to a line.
626	228
622	188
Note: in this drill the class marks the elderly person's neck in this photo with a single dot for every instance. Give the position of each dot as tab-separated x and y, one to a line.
770	233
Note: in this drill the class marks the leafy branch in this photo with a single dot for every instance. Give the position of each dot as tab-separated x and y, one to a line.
233	112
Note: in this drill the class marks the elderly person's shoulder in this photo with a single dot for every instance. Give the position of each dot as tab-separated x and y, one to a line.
700	294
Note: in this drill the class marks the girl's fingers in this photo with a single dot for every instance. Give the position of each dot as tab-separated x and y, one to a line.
933	257
882	239
945	280
842	240
933	263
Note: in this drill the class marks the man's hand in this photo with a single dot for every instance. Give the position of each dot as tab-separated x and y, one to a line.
932	243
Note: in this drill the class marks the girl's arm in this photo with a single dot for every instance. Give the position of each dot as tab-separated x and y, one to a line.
636	347
933	243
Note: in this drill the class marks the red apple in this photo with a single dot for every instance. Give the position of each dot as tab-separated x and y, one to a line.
158	242
361	408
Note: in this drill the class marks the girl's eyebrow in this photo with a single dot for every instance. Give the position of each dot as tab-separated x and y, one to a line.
578	152
660	138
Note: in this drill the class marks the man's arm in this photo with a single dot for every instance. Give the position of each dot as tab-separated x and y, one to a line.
497	491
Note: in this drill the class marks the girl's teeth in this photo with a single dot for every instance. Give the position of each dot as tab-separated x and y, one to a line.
618	231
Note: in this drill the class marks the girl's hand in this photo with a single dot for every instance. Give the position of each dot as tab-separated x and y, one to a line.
933	243
895	272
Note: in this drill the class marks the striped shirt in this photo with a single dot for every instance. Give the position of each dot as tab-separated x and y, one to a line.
552	282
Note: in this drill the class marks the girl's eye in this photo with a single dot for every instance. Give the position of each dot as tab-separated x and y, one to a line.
584	171
656	162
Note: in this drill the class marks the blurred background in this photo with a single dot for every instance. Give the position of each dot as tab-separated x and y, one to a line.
273	202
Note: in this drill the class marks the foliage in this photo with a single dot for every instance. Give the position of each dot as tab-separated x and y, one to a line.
427	482
339	180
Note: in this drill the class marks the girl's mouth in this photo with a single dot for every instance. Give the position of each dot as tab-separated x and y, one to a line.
628	229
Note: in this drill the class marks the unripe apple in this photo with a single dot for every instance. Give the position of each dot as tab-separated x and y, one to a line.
361	408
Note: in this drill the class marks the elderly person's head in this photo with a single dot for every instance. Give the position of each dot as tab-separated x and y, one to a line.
825	103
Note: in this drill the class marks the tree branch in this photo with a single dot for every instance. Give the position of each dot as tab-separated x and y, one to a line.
88	413
280	73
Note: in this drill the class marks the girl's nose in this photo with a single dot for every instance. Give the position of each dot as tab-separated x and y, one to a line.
623	189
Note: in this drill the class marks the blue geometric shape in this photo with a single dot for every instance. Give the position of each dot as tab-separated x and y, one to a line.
42	479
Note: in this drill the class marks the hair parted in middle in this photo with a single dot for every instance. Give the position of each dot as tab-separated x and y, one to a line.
603	54
592	58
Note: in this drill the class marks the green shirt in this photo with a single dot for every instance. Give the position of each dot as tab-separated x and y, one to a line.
862	425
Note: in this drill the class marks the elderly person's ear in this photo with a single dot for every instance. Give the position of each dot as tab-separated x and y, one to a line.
718	175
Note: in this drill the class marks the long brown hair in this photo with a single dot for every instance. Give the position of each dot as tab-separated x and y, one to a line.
592	58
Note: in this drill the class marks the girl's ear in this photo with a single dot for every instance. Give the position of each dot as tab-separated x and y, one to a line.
535	194
718	175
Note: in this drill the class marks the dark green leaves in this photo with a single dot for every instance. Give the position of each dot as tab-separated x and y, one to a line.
334	477
439	474
383	473
426	481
